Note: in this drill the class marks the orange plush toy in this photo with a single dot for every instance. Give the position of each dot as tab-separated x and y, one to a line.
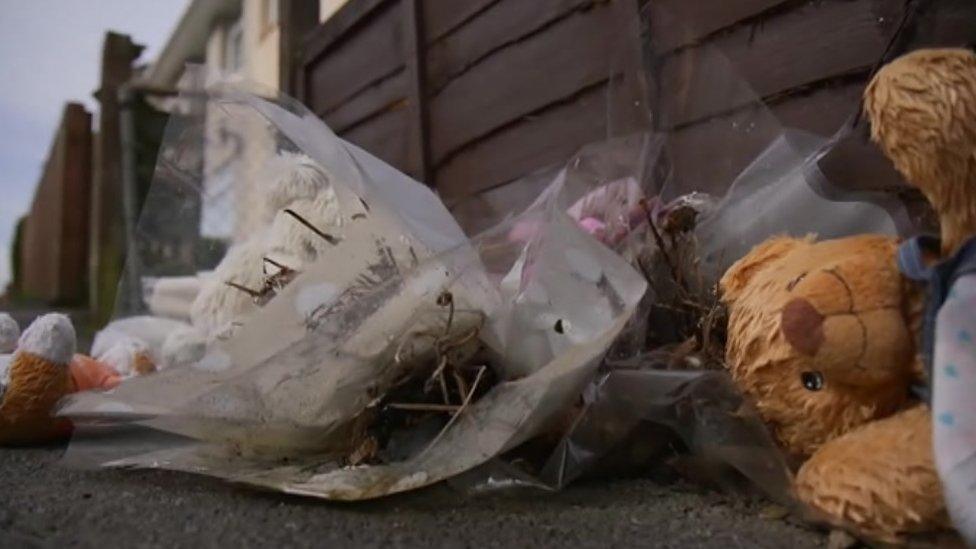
820	336
42	370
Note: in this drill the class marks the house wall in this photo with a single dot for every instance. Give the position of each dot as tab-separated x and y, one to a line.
235	150
261	40
214	55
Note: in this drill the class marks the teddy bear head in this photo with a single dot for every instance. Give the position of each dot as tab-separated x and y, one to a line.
922	108
818	335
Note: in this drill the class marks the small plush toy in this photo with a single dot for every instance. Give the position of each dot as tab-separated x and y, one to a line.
820	338
9	334
922	109
44	368
298	190
128	358
39	376
135	345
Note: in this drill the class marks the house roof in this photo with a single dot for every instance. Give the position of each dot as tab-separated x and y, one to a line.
188	41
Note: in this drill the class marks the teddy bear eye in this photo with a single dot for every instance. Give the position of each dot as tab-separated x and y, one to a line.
812	381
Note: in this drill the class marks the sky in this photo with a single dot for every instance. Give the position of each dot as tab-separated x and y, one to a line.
49	54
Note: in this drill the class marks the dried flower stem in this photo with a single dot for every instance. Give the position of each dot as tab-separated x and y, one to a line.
462	385
457	414
443	383
660	241
277	264
415	407
327	237
253	293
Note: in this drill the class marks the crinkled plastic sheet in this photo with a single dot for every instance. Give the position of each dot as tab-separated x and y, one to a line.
783	192
639	416
701	412
635	413
277	401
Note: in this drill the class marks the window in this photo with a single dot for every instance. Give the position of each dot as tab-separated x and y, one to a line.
234	48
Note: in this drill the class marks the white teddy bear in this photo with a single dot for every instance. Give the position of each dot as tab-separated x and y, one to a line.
298	186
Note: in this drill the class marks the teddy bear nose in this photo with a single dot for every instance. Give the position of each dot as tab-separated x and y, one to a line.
802	325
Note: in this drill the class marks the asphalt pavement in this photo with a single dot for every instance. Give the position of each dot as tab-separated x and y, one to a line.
43	503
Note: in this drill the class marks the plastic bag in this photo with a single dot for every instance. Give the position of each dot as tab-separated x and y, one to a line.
640	414
701	411
782	192
553	301
285	395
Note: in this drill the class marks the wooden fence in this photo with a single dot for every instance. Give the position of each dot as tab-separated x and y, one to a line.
53	264
730	74
468	95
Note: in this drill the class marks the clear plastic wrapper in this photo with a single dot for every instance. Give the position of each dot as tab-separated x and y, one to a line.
295	393
699	412
658	403
288	393
784	192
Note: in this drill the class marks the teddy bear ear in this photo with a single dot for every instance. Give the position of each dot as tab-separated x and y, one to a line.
742	271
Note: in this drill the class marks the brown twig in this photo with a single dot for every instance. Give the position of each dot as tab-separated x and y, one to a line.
679	262
659	241
465	339
277	264
398	354
327	237
421	407
462	385
439	376
457	414
253	293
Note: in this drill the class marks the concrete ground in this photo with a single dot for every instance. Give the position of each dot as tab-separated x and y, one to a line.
42	503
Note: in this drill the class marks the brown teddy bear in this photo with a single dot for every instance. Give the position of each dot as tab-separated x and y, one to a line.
820	337
922	109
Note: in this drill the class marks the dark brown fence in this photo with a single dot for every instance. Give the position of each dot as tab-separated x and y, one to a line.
468	95
807	61
53	265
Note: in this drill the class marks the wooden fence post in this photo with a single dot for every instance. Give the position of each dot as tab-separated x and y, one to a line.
107	251
418	149
296	19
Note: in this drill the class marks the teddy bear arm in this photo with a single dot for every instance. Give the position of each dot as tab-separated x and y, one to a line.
879	480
